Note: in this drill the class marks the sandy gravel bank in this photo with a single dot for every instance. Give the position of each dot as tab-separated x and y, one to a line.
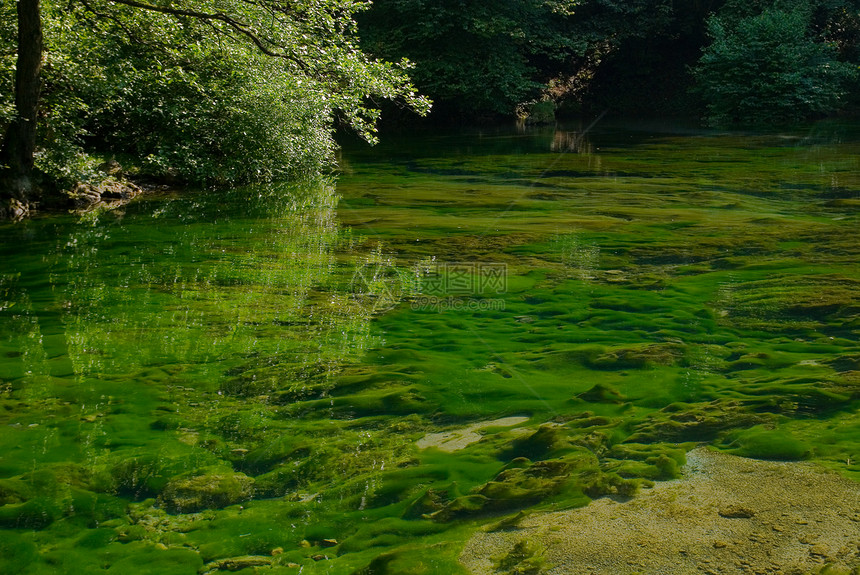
725	515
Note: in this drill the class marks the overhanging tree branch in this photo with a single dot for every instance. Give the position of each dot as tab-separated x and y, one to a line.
234	23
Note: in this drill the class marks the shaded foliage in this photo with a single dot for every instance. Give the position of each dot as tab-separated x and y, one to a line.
476	58
769	67
627	56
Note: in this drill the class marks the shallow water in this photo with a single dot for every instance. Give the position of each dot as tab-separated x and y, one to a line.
296	376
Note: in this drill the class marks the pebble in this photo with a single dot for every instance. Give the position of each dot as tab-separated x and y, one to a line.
820	549
736	512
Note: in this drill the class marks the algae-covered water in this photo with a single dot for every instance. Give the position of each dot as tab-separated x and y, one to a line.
351	376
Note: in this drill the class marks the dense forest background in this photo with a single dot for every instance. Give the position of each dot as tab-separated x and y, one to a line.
228	92
725	61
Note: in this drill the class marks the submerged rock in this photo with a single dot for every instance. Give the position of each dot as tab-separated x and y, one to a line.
601	393
237	563
524	559
36	513
635	357
215	489
547	438
523	483
696	422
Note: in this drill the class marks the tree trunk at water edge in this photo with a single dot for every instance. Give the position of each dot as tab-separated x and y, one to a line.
19	143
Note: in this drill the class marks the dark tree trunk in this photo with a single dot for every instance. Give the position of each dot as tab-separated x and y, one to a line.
19	143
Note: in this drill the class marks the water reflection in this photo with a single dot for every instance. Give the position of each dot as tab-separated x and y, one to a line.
572	142
243	294
581	258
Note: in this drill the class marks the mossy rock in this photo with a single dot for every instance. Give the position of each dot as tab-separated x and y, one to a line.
408	560
647	461
145	475
93	509
371	403
598	484
847	362
265	457
298	392
763	443
430	502
276	483
317	464
47	479
248	385
270	376
167	423
815	298
96	538
244	425
147	559
14	491
547	438
816	399
214	489
601	393
681	422
667	467
597	442
520	485
467	505
637	357
239	563
509	523
37	513
524	559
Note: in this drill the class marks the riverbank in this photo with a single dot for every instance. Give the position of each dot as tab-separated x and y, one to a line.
726	514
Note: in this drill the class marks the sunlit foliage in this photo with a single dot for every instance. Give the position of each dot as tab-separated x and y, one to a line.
211	92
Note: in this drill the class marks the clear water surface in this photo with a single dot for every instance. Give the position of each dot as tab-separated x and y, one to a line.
351	377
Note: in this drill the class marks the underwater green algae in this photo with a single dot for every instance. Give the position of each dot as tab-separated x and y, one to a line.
239	381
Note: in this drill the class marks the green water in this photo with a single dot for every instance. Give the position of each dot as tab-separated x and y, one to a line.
249	374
